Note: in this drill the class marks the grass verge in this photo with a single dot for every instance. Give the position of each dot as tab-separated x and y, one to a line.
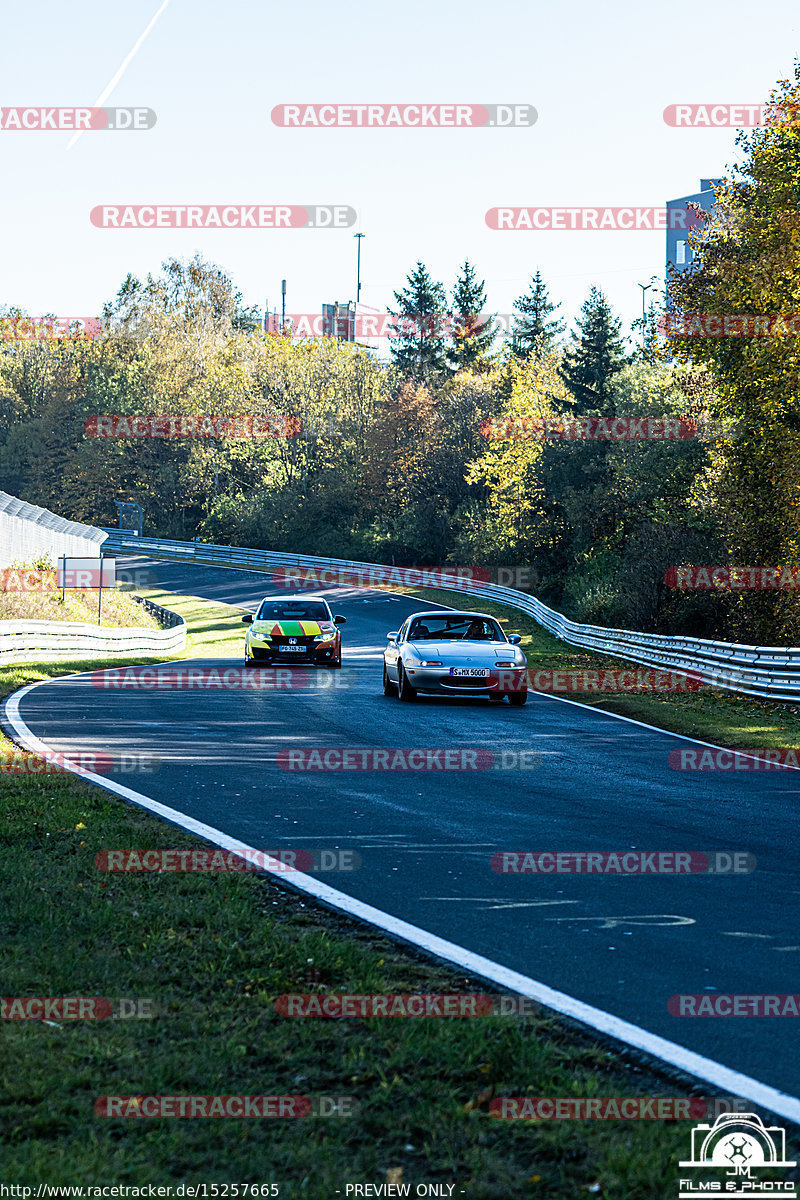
45	604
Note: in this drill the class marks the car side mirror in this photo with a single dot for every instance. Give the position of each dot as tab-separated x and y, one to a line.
247	619
340	620
514	639
392	637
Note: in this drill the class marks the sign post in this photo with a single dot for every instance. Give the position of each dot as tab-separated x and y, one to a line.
87	573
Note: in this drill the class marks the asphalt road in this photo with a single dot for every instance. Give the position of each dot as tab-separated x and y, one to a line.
426	838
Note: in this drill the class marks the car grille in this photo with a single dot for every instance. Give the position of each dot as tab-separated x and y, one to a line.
458	681
298	641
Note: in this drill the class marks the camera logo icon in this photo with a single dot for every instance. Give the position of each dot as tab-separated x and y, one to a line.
737	1143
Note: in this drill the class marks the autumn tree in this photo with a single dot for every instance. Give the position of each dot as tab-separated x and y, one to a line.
747	263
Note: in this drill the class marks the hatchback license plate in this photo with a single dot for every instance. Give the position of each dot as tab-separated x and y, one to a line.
291	649
470	672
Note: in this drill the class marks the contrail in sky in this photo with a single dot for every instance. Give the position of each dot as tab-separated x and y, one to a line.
101	99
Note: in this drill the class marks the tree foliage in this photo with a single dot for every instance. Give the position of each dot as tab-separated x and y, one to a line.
535	330
747	262
432	457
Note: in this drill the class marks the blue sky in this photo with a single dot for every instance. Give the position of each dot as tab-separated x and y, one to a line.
600	77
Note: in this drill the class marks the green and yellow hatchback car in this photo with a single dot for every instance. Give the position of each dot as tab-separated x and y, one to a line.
293	631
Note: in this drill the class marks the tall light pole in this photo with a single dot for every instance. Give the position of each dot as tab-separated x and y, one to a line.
358	268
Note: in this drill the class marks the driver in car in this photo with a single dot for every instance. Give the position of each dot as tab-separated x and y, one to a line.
476	632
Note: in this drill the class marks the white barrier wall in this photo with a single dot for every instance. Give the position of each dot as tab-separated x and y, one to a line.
42	641
28	532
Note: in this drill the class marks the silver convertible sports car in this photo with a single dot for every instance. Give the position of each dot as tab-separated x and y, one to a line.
456	654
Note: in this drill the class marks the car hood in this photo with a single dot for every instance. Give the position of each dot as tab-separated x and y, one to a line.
455	653
286	628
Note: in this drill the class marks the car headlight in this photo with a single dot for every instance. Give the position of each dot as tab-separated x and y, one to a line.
260	637
430	662
506	664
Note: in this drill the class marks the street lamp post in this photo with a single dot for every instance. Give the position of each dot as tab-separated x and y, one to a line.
645	288
358	267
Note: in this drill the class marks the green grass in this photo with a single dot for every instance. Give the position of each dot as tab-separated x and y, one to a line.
212	952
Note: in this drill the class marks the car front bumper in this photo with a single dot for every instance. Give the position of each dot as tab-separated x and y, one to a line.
324	653
500	681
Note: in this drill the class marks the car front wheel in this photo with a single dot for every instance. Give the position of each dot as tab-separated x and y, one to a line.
517	698
404	689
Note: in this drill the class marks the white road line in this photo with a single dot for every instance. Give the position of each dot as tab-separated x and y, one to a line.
684	737
725	1078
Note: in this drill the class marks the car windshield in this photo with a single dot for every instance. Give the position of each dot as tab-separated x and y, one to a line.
308	610
456	627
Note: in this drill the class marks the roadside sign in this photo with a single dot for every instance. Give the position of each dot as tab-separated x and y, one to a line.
86	572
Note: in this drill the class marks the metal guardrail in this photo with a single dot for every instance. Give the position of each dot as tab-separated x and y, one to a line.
30	641
765	672
166	618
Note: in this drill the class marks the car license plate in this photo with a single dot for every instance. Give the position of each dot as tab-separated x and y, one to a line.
470	672
291	649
